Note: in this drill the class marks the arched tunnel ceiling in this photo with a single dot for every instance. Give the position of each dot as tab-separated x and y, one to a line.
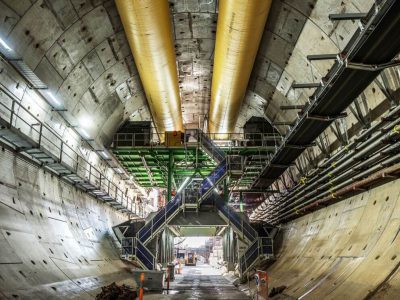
294	30
194	24
78	48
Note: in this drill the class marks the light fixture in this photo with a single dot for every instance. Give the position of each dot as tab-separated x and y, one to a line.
4	45
53	99
183	185
104	154
83	133
118	170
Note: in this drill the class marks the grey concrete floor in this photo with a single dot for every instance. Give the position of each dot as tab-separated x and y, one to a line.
200	282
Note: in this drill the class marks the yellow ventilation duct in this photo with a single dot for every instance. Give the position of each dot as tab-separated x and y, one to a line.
148	29
240	27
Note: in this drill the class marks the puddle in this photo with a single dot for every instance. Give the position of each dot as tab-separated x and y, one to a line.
172	292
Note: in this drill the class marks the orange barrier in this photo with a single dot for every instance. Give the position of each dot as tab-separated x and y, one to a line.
141	286
262	285
167	277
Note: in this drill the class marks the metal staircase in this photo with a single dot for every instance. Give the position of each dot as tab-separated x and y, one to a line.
163	216
136	247
133	248
211	180
216	153
259	247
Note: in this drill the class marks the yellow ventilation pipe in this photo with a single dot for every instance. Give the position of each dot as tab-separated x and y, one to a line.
239	30
148	29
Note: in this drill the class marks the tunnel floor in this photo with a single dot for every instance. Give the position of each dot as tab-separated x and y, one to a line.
200	282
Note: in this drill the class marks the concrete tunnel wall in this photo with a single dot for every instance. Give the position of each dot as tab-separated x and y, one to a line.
56	242
350	250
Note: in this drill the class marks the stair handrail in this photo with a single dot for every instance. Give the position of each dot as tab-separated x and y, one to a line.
161	217
244	258
142	251
210	146
242	225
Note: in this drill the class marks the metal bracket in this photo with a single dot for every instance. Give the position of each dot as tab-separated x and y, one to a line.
59	109
256	191
347	16
312	57
371	67
325	118
293	146
288	107
310	85
282	123
280	166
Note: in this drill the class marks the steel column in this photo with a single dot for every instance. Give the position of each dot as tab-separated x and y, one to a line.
170	173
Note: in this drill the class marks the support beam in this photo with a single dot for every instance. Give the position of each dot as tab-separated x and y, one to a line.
148	171
241	202
312	57
309	85
226	191
372	67
325	118
280	166
347	16
256	191
282	123
170	173
288	107
293	146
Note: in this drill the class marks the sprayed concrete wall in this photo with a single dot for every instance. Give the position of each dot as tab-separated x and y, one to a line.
56	242
350	250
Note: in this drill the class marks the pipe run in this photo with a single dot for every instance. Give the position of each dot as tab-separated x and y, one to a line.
148	28
355	161
387	173
347	157
239	30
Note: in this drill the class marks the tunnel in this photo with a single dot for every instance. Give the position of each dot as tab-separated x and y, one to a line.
199	149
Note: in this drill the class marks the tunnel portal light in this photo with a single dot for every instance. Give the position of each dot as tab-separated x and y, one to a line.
5	45
183	185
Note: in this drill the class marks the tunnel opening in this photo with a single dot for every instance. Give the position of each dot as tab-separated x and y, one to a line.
204	138
204	253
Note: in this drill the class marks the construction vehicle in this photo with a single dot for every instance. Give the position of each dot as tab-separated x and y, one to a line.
191	259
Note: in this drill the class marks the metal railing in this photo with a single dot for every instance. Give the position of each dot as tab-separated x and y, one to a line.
212	179
30	135
133	247
123	139
210	141
248	139
209	146
158	221
262	247
241	225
